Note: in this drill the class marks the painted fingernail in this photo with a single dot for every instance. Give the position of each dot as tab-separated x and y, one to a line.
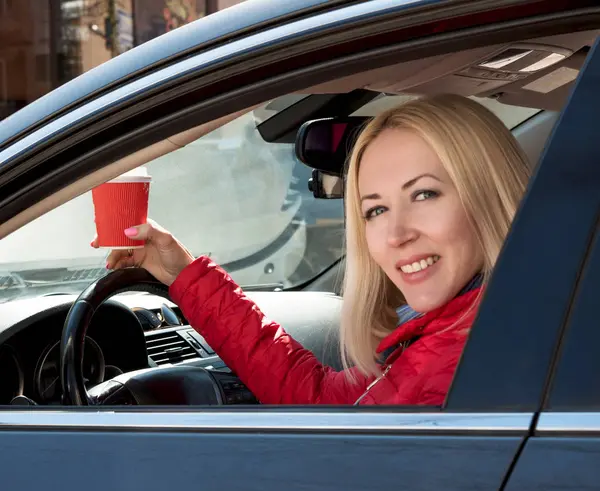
107	265
130	232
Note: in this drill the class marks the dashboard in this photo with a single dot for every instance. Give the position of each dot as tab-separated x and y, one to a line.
30	354
133	331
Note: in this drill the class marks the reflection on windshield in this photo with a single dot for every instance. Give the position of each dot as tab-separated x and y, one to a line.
229	194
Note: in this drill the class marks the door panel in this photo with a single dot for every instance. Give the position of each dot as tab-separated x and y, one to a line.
267	449
176	460
568	463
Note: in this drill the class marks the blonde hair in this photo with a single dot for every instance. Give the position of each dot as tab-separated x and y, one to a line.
488	169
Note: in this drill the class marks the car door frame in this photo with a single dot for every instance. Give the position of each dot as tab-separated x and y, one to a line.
470	426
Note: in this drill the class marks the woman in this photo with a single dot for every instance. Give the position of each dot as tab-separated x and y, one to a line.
432	187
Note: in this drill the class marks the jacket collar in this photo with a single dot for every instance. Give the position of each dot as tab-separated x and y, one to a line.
413	324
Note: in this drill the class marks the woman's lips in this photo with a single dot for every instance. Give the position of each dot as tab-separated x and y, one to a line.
415	264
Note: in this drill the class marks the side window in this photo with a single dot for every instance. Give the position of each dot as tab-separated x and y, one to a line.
576	382
245	202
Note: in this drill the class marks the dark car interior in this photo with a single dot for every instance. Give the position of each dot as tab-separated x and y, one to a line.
137	343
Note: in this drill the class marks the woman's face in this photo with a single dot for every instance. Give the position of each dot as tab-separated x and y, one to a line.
417	230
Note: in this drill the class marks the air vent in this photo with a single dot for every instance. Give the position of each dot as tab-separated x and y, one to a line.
169	347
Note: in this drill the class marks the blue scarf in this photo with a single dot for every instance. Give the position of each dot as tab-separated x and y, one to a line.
406	313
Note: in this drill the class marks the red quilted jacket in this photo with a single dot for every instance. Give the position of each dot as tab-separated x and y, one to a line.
278	370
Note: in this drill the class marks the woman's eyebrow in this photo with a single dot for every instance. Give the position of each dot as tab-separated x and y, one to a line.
406	185
370	196
413	181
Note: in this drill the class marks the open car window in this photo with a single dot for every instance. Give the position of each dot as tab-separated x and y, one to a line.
230	195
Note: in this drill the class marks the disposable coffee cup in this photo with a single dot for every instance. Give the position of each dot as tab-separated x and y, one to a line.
120	204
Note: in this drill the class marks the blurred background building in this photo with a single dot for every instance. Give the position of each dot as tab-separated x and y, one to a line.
45	43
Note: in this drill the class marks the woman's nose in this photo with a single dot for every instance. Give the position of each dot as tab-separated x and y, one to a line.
400	232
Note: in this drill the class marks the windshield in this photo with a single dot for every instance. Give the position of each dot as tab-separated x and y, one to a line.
230	195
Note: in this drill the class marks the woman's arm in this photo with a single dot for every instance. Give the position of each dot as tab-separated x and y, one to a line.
275	367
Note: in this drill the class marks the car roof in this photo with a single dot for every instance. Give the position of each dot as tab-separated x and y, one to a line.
250	15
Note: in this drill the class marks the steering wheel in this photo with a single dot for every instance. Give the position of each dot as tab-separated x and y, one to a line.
177	385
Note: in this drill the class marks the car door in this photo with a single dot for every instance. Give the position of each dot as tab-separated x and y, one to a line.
470	443
564	449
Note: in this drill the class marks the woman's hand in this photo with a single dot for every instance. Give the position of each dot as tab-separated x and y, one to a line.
163	256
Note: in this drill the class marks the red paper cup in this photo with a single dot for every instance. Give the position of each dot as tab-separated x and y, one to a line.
120	204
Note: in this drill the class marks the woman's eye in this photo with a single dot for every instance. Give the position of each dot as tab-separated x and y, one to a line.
423	195
373	212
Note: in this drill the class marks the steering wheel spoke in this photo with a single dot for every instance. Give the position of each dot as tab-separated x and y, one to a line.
111	393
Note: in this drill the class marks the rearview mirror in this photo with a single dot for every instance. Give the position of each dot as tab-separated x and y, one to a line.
325	144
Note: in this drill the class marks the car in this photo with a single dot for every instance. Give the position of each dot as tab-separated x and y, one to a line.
522	411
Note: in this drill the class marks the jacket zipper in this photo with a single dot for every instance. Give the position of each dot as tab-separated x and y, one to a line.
373	384
378	379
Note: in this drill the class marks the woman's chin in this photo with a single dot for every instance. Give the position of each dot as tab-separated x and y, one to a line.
425	303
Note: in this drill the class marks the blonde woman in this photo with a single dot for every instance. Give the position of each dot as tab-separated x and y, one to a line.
432	188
